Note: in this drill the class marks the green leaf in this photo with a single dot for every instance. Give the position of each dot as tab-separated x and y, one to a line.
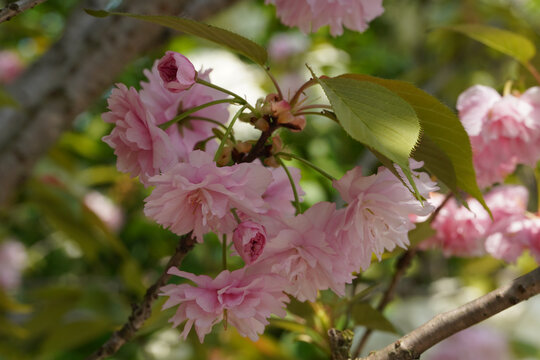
507	42
421	232
364	314
376	117
222	37
71	335
444	139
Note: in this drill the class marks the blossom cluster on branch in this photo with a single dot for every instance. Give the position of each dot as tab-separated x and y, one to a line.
242	191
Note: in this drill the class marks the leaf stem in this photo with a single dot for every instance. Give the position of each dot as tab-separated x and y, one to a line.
188	112
299	92
227	133
291	180
308	163
533	71
236	217
240	99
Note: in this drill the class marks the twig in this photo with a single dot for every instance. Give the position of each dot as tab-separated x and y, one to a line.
142	311
17	7
444	325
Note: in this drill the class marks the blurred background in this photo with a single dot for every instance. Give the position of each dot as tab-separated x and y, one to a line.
76	249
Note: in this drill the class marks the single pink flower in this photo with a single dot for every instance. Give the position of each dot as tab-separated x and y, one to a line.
165	105
12	261
504	131
176	71
310	15
302	254
377	215
249	300
198	196
249	239
141	147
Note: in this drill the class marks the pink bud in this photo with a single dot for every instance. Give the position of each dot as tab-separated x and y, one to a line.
249	239
176	71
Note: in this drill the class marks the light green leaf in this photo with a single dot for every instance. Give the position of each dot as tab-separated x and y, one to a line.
222	37
444	138
365	315
376	117
507	42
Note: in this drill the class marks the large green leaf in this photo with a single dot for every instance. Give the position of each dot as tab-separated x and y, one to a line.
376	117
364	314
220	36
507	42
444	139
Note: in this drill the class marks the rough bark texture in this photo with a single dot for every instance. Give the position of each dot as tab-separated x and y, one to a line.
73	73
442	326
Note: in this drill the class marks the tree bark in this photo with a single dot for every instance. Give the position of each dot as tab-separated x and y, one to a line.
73	73
444	325
17	7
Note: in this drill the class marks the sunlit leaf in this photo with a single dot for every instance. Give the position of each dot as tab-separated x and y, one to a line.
376	117
507	42
222	37
444	138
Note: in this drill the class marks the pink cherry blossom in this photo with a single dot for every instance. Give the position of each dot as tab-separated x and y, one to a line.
310	15
165	105
463	232
12	261
377	215
176	71
198	195
248	299
302	254
249	239
504	131
475	343
11	66
141	147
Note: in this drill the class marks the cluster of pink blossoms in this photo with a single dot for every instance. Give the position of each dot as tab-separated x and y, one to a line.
250	203
504	130
464	232
311	15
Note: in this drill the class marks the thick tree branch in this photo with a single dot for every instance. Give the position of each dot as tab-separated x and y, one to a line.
142	311
75	71
17	7
442	326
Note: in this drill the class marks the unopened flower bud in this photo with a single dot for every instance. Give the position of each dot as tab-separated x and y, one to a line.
225	156
249	239
176	71
261	124
277	145
243	147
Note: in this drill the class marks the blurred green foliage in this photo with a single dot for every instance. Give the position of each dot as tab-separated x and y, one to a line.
82	274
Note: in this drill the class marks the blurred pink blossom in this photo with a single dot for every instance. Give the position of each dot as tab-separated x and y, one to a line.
475	343
141	147
105	209
248	299
310	15
176	71
249	239
165	105
377	215
463	232
198	195
301	253
11	66
285	45
12	261
504	131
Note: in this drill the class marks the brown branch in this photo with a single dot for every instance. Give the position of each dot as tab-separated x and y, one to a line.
15	8
442	326
142	311
74	73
